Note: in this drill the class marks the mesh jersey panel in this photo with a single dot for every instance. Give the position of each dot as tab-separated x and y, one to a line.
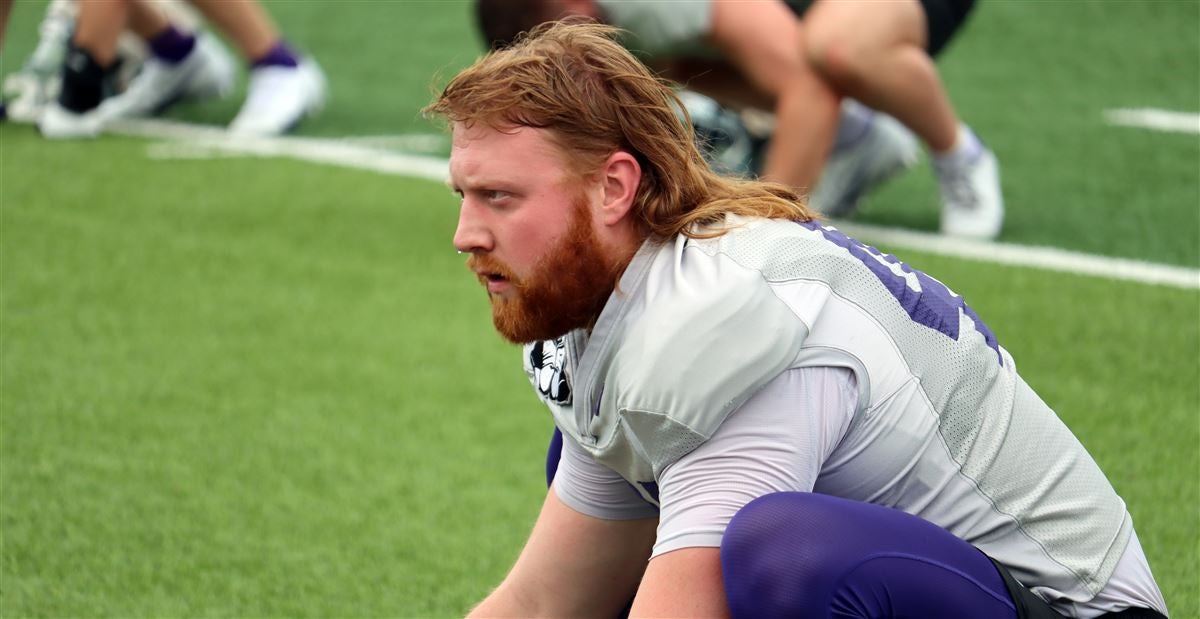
1022	458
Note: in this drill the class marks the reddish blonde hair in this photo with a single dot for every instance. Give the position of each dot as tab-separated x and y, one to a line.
574	79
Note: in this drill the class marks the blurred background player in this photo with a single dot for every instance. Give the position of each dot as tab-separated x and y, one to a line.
798	60
869	147
181	65
36	84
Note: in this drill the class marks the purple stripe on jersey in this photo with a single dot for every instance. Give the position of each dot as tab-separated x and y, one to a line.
934	306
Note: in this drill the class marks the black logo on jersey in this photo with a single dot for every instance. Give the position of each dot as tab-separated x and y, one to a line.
549	360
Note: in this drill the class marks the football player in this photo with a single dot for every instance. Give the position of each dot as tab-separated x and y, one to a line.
798	61
759	416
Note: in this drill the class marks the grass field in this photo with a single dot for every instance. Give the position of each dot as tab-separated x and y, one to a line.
258	387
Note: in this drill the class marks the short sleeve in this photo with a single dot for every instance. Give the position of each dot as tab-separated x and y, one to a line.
595	490
776	442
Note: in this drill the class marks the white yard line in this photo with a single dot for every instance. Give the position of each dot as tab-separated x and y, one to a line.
316	150
1047	258
1154	119
423	143
196	141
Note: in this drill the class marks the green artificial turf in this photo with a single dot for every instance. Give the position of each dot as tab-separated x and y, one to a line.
269	396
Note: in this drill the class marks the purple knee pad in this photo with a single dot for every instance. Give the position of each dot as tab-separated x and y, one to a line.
800	554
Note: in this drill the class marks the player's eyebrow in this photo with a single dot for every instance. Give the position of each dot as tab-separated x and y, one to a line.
481	184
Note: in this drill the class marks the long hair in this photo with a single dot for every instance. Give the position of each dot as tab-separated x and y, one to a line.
595	98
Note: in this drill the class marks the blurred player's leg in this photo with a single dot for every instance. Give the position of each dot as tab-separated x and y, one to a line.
90	59
284	87
245	23
969	180
98	27
800	554
801	167
871	147
181	66
278	98
880	55
37	84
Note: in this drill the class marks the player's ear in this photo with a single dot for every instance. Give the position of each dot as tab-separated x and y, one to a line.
620	176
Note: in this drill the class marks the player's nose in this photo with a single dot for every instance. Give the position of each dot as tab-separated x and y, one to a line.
472	234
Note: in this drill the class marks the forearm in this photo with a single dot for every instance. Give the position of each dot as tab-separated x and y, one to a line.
505	602
573	566
586	598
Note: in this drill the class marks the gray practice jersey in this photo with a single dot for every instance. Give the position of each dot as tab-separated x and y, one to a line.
942	426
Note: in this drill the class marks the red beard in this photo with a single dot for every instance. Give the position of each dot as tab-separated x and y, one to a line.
566	290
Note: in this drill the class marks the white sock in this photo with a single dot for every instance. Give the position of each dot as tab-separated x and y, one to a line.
967	148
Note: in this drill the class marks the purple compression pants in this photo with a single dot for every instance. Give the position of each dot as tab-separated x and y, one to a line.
801	554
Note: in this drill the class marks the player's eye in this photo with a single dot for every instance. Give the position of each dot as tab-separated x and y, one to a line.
495	195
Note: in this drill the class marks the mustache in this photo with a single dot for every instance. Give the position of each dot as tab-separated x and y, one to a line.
487	264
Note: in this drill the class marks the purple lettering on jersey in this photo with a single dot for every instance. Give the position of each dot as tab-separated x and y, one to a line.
934	306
